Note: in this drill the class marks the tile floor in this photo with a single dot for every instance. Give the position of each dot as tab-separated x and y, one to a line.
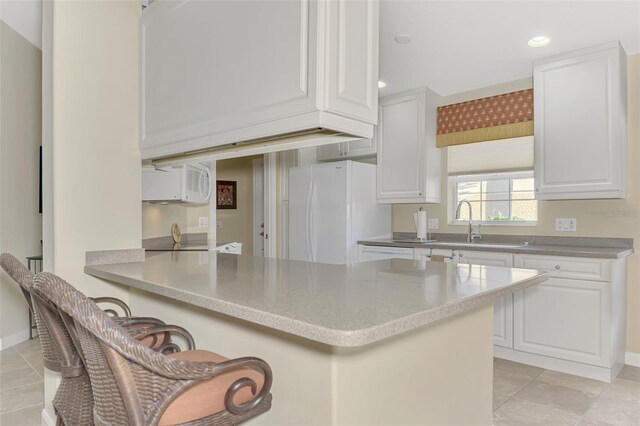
526	395
522	395
21	384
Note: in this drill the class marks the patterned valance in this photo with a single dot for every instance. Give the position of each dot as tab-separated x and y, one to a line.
497	117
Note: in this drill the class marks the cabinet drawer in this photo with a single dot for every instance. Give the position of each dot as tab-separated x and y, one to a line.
567	267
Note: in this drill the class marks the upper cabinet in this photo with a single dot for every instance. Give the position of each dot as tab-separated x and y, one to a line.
580	110
359	148
215	73
409	164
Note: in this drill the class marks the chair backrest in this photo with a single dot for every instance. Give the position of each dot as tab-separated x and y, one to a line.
116	398
21	275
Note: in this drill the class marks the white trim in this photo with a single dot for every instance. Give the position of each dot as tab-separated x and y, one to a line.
632	358
270	219
46	418
594	372
257	166
213	206
13	339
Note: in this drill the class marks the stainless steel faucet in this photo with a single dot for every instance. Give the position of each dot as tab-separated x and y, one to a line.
471	234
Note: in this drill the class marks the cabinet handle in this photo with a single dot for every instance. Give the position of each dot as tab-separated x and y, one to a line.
557	267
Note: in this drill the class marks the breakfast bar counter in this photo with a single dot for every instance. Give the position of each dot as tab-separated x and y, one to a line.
385	342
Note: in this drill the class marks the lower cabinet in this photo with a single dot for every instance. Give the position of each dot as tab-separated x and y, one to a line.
575	321
565	319
503	307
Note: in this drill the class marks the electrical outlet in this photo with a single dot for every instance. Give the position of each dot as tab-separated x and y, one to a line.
433	223
203	222
219	224
566	224
203	258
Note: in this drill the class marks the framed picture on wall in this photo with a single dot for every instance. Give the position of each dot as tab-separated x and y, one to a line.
227	194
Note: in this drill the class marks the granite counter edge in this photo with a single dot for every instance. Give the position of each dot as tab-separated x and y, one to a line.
331	337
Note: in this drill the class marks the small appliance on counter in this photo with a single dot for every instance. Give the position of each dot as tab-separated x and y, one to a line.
231	248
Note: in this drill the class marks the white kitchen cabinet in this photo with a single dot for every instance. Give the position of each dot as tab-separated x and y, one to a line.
409	163
575	321
215	73
580	109
503	307
368	253
359	148
564	318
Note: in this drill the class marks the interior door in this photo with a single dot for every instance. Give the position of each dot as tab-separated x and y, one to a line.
299	213
331	215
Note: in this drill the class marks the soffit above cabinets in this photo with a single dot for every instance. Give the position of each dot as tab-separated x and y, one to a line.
464	45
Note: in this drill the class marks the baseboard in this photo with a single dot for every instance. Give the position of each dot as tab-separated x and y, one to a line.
632	358
14	339
46	418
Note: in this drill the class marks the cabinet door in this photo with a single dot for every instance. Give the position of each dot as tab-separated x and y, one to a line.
331	152
580	124
203	66
401	156
564	318
503	307
360	148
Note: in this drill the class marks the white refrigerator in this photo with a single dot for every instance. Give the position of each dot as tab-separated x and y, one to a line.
331	207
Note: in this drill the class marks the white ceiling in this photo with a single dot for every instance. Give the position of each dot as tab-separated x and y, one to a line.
464	45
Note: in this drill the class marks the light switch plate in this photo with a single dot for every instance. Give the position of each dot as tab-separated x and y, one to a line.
566	224
433	223
203	222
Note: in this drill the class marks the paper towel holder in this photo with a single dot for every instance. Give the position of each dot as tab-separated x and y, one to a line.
426	236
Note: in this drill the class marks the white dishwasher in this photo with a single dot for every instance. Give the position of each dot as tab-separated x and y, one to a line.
369	253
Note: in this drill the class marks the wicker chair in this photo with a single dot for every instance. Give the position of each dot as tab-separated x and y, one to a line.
74	400
133	385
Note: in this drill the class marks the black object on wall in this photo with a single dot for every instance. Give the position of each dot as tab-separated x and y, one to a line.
40	185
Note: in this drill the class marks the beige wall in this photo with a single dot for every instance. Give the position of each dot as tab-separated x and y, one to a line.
157	218
20	138
592	217
90	110
96	162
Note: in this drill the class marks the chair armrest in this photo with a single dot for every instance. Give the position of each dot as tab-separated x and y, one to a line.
141	333
131	321
240	363
114	301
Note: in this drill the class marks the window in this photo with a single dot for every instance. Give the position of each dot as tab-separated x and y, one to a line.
496	199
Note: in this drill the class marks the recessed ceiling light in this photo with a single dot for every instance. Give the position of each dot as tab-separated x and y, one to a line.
381	84
403	38
539	41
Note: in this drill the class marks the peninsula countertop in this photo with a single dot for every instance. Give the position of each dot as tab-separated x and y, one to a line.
338	305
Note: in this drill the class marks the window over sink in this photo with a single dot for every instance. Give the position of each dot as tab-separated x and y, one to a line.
505	198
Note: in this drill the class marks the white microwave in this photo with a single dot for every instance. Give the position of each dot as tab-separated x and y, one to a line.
188	183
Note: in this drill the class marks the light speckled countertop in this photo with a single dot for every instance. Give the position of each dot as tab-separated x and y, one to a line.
510	247
336	305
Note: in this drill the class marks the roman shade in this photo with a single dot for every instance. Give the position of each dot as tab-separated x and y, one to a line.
494	156
497	117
